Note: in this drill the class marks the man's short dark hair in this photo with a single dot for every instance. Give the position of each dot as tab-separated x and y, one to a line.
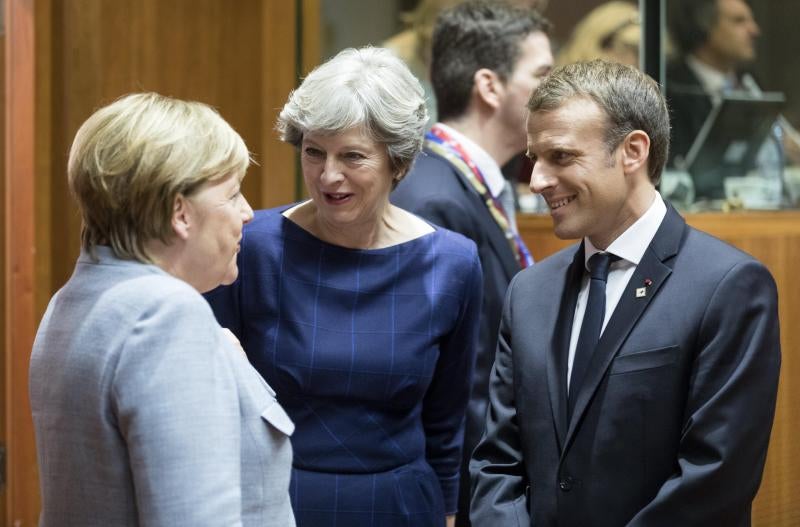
630	100
690	22
475	35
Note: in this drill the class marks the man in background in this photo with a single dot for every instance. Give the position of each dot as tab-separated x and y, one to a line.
716	41
486	59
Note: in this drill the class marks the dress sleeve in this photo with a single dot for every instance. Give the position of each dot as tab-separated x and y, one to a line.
445	402
176	404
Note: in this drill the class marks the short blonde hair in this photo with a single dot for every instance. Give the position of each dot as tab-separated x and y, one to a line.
132	158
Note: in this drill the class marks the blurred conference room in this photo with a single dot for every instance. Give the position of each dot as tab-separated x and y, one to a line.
734	168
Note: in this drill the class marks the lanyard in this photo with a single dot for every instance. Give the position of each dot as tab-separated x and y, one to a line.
441	143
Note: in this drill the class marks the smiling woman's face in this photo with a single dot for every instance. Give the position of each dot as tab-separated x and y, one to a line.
348	176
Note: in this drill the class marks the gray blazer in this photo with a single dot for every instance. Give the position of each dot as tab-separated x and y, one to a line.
145	414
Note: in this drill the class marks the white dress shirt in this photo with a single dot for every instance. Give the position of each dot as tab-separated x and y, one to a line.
715	82
630	247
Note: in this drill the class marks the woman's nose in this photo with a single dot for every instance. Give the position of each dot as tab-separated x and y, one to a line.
247	210
332	171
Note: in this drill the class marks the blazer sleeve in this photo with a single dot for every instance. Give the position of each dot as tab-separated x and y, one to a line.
729	409
445	402
449	213
497	470
176	404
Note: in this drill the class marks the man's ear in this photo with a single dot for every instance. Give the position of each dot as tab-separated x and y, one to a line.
181	217
488	87
635	151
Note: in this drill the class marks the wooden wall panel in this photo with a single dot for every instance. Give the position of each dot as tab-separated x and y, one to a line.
311	27
240	57
279	159
205	50
774	239
2	251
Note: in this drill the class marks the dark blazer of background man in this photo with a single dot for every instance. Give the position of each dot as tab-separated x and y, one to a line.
486	60
715	41
670	422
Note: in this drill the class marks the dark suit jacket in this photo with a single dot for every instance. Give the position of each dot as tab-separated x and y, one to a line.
438	192
673	418
689	106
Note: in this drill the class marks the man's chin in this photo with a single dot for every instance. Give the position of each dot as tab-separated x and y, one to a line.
563	232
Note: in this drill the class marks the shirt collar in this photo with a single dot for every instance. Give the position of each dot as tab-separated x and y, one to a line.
486	164
713	80
631	244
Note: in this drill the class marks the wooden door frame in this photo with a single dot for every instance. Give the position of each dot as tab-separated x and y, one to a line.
22	490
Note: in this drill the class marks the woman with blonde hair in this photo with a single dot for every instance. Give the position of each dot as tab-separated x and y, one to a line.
145	410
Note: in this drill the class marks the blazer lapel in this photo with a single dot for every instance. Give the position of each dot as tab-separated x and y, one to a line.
559	348
501	245
497	238
652	269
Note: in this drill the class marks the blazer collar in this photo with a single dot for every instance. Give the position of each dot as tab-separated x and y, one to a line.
495	235
652	272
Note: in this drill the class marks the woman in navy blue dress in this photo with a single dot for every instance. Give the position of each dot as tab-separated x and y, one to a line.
362	316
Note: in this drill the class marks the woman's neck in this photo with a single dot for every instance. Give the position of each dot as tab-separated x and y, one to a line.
364	235
378	231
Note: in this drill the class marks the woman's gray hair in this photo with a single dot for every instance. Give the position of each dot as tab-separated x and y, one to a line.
368	88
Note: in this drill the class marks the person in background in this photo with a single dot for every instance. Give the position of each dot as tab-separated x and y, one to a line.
413	44
624	362
715	40
362	316
610	31
487	58
145	411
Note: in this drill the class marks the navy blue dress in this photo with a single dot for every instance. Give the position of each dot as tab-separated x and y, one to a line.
371	354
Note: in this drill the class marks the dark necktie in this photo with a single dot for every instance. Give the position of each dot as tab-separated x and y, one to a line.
592	323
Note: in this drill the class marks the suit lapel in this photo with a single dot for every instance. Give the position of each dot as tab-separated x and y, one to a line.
501	245
497	238
652	269
559	348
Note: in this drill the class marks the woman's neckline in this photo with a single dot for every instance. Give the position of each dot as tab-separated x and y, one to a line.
299	228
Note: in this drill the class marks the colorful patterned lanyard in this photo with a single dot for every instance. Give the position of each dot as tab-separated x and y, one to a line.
441	143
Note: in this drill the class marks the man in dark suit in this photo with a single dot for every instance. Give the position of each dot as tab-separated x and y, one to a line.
715	41
486	60
644	395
